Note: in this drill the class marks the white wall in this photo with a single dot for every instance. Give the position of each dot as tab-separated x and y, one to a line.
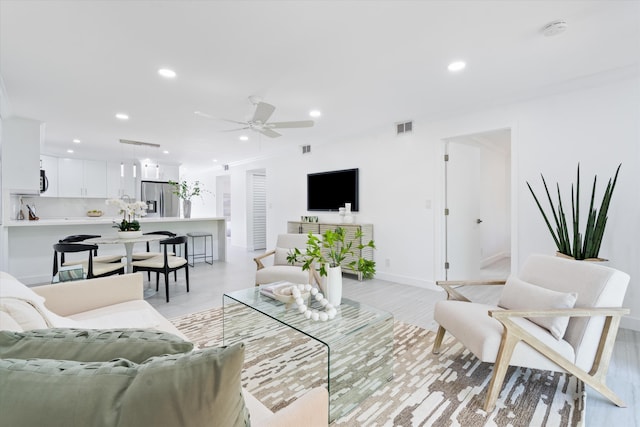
400	176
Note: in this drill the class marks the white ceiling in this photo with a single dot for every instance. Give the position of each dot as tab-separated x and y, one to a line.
364	64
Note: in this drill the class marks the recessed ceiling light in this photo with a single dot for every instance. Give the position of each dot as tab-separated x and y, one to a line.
457	66
244	138
69	151
215	160
122	116
166	151
167	73
315	113
77	141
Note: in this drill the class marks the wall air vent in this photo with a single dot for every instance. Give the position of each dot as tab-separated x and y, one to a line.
404	127
306	149
226	167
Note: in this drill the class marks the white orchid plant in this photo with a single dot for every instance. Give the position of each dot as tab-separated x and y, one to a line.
129	211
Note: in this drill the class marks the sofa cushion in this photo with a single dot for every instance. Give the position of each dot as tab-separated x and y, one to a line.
25	314
520	295
8	323
200	388
90	345
13	289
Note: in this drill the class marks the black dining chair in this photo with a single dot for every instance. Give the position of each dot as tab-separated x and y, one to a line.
138	256
166	263
91	268
77	238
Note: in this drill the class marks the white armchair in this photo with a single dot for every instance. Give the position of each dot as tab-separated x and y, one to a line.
281	269
558	314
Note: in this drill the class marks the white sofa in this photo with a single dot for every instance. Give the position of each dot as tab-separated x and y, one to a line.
117	302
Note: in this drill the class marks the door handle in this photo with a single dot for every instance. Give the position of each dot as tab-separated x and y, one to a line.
478	221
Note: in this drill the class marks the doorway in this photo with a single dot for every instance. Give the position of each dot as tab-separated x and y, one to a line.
477	237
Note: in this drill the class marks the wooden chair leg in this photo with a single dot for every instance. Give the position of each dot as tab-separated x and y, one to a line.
438	341
507	345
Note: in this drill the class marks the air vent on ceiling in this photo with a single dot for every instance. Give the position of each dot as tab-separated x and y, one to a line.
404	127
226	167
306	149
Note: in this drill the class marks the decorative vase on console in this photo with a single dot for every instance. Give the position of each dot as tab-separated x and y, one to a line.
348	218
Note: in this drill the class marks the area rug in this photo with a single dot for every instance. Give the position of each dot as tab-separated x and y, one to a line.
426	390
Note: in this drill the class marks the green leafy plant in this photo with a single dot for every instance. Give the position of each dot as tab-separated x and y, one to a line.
578	245
186	191
332	251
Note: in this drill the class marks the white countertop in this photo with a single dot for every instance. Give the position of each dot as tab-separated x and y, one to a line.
100	220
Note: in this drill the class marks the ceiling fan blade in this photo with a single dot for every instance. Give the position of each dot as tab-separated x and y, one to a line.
270	133
235	121
234	130
298	124
263	112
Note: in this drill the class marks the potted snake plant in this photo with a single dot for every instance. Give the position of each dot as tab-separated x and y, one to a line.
578	244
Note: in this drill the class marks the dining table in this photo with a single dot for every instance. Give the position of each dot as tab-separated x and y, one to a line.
128	243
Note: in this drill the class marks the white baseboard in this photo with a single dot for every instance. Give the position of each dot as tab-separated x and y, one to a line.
493	258
411	281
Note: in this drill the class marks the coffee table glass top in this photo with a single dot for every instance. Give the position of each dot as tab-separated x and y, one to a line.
351	315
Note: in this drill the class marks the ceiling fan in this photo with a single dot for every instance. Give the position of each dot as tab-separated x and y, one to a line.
259	122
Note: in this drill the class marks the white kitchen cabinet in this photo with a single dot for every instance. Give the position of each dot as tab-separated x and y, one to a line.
82	178
50	166
120	180
20	147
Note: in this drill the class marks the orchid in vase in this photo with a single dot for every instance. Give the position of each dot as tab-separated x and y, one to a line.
129	211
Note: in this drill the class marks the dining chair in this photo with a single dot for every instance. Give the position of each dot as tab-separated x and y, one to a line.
138	256
91	268
77	238
166	263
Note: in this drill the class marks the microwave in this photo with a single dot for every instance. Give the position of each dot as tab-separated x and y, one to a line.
44	181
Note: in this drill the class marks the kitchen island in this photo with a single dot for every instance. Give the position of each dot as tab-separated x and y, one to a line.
27	246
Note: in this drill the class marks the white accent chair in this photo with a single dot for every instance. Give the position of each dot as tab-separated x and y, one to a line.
281	270
549	295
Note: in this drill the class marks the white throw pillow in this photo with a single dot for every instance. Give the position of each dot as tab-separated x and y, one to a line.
12	289
520	295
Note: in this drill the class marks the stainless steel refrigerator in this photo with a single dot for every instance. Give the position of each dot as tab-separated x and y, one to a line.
159	198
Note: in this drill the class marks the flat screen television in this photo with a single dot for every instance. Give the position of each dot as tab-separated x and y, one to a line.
329	191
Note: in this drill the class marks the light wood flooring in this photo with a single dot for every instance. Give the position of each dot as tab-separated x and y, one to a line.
408	304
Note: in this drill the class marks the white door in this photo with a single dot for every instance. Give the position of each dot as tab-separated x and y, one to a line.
478	227
462	214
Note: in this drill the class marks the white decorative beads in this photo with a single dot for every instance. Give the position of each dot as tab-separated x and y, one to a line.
329	310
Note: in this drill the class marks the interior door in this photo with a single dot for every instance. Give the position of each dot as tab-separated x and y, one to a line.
462	211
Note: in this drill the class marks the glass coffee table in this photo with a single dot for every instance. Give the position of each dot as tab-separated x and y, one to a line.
355	354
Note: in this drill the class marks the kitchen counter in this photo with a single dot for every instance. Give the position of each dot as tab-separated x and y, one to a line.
27	246
101	220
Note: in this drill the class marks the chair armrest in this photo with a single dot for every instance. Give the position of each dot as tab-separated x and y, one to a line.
69	298
452	294
571	312
310	410
258	259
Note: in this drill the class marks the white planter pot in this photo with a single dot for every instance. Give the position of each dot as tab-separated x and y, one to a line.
333	286
186	208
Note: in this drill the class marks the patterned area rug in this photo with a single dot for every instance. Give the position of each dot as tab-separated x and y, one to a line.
426	390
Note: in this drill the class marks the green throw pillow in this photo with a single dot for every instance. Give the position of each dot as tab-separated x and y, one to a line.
200	388
90	345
